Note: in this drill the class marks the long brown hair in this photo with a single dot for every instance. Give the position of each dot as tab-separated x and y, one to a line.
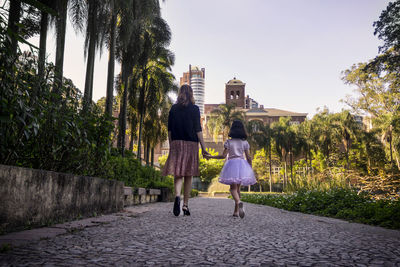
185	95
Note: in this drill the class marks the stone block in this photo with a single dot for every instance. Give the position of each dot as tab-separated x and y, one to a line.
128	190
140	191
154	191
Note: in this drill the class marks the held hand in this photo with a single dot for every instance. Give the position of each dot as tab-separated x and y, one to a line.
206	155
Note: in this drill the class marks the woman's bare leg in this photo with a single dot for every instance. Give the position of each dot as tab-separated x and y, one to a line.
187	189
178	185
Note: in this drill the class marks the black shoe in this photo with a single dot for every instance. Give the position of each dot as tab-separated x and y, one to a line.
185	210
177	206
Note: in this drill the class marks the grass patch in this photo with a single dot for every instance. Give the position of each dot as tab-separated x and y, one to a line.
339	203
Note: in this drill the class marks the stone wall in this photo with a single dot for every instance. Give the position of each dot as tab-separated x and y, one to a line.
31	197
136	196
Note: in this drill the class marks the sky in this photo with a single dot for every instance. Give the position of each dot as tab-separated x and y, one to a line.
290	53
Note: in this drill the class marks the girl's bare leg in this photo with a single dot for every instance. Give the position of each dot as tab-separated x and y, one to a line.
235	196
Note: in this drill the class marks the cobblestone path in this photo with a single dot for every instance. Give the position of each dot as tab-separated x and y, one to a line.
265	237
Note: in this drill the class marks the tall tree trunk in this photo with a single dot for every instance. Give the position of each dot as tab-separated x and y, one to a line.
347	156
90	71
327	155
61	26
144	150
140	136
132	137
291	166
391	152
152	156
285	174
141	110
123	108
13	20
148	152
309	151
111	63
42	45
270	168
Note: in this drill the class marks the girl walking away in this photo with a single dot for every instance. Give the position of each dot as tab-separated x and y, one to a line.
237	171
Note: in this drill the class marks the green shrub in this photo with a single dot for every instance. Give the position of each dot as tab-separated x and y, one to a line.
129	170
194	193
340	203
45	128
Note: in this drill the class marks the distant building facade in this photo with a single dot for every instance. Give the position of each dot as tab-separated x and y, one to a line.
235	94
195	77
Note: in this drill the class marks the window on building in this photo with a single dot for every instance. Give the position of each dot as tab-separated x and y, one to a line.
237	94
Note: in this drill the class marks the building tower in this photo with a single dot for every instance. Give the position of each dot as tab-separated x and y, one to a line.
195	78
235	93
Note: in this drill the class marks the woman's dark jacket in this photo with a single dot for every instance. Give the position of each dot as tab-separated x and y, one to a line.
184	122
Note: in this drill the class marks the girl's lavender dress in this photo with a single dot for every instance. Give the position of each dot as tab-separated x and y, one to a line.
236	169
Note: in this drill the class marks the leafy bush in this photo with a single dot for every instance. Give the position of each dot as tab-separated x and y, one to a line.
331	178
129	170
340	203
210	168
194	193
46	129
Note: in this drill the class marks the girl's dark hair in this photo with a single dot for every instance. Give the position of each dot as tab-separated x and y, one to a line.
237	130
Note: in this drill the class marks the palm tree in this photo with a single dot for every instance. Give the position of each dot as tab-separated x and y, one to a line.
134	23
77	8
61	26
306	141
96	31
348	129
282	135
221	120
263	135
326	131
44	25
388	124
114	11
156	81
156	101
13	20
155	58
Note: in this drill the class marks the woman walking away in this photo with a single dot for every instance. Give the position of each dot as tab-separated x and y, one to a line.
236	171
184	135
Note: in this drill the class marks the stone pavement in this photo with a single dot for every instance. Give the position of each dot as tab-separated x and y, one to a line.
265	237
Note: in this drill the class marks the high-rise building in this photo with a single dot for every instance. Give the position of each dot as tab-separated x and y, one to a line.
195	78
